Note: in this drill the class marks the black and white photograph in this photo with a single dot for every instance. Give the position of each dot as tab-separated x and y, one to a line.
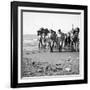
50	44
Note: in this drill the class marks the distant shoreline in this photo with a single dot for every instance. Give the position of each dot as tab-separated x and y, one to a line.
30	36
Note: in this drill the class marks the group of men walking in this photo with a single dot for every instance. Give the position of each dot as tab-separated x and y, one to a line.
58	40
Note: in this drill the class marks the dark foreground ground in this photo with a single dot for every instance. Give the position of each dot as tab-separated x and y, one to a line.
44	63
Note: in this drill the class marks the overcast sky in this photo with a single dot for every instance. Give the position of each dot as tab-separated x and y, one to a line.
33	21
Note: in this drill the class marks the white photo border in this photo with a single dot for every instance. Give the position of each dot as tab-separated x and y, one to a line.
51	78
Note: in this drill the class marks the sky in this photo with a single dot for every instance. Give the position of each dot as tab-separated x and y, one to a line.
33	21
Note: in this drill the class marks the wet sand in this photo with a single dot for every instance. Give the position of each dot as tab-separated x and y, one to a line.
44	63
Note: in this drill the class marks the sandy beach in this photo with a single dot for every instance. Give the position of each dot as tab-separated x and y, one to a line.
41	62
